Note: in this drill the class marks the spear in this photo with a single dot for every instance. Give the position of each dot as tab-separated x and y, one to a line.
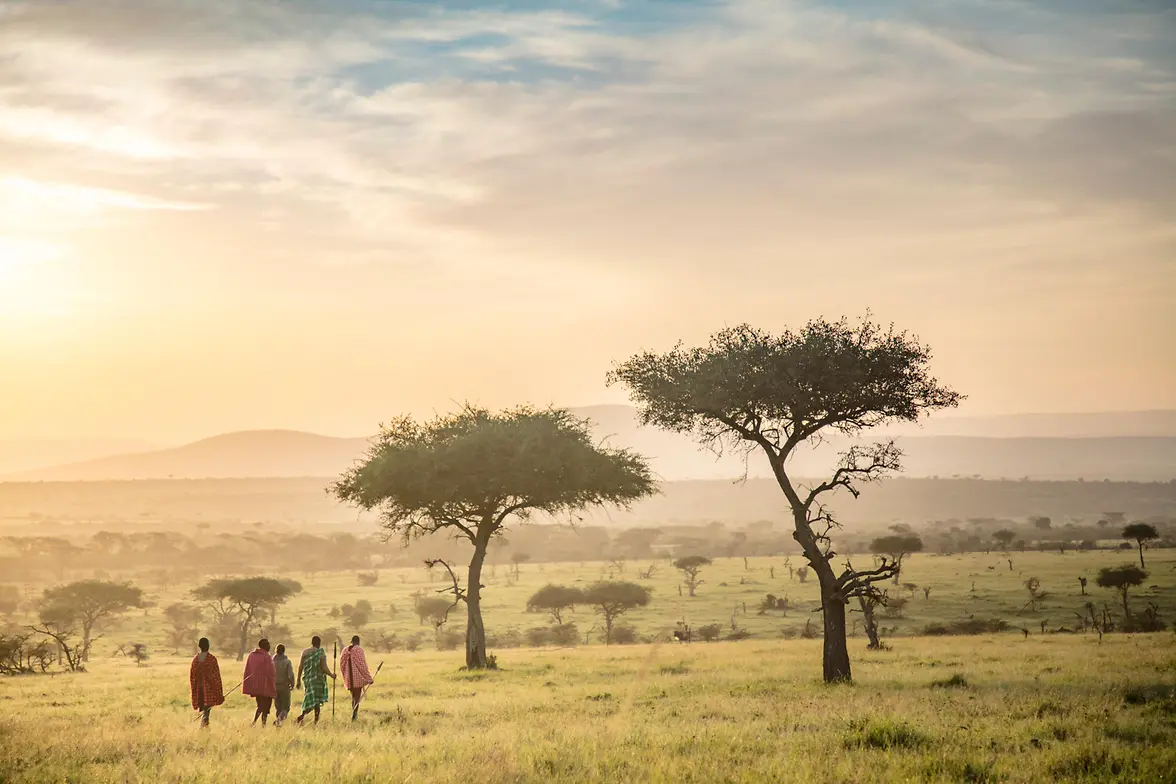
377	672
335	680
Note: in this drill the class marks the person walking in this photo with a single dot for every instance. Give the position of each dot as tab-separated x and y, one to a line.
259	680
353	665
313	671
204	679
283	685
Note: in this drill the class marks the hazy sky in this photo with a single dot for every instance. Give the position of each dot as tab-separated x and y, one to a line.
317	213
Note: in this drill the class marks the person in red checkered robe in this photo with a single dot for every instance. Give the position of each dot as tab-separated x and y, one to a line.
205	681
353	665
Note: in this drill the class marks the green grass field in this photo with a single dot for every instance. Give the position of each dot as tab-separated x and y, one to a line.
1050	707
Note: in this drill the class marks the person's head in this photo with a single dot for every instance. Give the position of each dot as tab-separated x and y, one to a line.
315	641
204	644
263	643
355	640
281	650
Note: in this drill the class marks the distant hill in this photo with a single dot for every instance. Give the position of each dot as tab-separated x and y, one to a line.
252	453
26	454
285	453
63	508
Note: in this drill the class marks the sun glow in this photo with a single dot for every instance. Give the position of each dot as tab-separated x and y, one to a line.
27	285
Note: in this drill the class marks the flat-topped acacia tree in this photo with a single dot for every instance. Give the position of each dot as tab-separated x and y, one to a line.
754	391
469	473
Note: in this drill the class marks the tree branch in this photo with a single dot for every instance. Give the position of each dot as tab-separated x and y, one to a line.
459	595
882	458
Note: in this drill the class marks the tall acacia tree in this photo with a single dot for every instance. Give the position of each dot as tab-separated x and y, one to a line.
751	390
90	602
1142	533
470	473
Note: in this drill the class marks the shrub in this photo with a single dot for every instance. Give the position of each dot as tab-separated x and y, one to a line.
565	634
710	632
739	634
884	734
538	636
624	634
966	626
956	681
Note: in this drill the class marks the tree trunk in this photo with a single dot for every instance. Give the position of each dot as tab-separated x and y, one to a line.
1126	608
869	622
1141	564
87	627
475	631
836	652
244	639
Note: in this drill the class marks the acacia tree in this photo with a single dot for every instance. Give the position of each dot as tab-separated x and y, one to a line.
555	599
1141	533
1121	578
469	473
690	566
614	599
897	547
250	598
1004	538
90	602
751	390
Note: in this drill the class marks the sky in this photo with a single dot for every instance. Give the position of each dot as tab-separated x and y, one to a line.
318	214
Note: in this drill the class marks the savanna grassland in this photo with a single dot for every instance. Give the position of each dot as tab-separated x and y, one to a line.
1002	707
989	708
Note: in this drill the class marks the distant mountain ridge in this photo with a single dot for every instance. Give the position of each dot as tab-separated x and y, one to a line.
289	453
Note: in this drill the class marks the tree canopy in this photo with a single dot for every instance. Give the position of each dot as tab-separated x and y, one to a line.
1141	533
248	597
751	390
1121	578
613	599
555	599
690	566
467	473
89	602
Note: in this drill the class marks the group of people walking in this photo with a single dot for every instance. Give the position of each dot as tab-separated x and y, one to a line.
270	680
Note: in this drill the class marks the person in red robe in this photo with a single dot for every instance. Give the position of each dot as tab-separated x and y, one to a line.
353	665
260	680
205	681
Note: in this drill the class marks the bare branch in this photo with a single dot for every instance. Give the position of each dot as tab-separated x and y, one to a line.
459	595
859	464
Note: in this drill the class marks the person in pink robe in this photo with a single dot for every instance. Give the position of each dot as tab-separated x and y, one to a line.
260	680
353	665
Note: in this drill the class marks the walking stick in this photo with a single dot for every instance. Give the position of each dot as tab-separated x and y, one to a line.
335	680
377	672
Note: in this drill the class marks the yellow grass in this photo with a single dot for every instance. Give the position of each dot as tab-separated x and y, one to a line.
1050	707
1033	710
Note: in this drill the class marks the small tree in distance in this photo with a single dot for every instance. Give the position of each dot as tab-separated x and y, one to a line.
897	547
90	602
555	599
250	598
690	566
1141	533
753	391
1121	578
1004	537
469	473
614	599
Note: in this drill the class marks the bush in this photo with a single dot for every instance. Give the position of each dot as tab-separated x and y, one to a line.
739	634
449	639
710	632
956	681
538	636
884	734
966	626
565	634
624	634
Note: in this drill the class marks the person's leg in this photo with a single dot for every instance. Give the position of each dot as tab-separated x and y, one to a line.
257	712
264	704
206	714
317	708
356	696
